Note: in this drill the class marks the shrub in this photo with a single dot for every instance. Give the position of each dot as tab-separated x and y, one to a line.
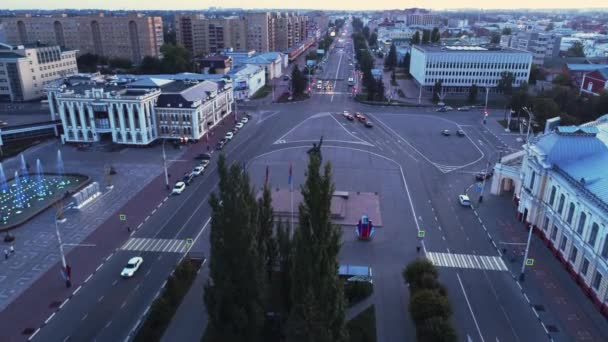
425	304
436	329
418	272
356	291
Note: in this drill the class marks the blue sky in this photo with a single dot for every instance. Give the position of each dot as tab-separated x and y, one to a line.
318	4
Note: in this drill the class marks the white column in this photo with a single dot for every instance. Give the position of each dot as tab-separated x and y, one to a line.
93	127
121	119
112	123
72	118
143	128
131	122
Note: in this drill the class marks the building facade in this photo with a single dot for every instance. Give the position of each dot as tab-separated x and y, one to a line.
131	37
261	34
26	70
203	36
541	44
290	30
459	67
563	195
422	18
595	82
137	111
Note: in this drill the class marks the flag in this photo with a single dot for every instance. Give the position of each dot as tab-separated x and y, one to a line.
290	172
266	180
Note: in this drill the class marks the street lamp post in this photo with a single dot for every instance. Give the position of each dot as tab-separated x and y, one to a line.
65	267
483	184
165	165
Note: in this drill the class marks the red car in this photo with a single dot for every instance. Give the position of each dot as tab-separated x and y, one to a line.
362	119
358	115
350	117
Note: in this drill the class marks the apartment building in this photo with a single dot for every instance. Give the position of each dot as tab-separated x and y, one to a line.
291	30
561	192
26	69
541	44
422	18
459	67
261	33
138	110
132	36
202	35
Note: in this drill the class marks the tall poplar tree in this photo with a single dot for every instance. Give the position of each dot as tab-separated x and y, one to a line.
317	300
234	294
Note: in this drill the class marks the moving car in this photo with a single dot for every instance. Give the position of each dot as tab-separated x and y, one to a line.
229	136
460	133
464	108
464	200
131	267
484	175
203	156
442	109
239	125
362	119
369	124
178	188
198	170
446	132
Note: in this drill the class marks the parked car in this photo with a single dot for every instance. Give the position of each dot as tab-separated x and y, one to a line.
239	125
188	178
464	200
245	120
198	170
358	115
204	163
460	133
446	132
369	124
178	188
203	156
3	123
442	109
464	108
131	267
248	115
350	117
483	175
346	113
229	136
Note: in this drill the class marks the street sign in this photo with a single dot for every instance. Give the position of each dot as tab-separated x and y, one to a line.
189	241
123	217
529	262
421	234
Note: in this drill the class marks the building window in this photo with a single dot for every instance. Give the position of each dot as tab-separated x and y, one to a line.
581	223
562	200
552	196
563	243
532	179
593	235
573	254
554	233
585	267
570	213
546	223
597	280
605	249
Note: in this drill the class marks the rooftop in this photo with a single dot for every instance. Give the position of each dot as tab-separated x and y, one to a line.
468	48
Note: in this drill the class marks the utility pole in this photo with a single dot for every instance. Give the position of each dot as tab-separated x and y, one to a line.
483	184
420	94
67	271
165	165
522	275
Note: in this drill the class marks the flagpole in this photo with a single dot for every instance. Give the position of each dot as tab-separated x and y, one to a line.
291	191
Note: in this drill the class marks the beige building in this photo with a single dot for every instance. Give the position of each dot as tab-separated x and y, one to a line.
25	70
132	37
290	30
202	36
260	32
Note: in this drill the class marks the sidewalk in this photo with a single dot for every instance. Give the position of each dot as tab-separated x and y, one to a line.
29	311
560	303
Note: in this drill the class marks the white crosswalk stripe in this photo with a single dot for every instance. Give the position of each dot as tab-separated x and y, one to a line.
483	262
155	245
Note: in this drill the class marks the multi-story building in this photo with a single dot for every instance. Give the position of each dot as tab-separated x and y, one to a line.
261	34
541	44
137	111
291	30
132	36
202	35
561	191
26	69
459	67
422	18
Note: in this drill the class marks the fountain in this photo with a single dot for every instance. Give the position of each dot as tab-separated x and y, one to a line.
24	167
3	186
40	187
60	169
18	193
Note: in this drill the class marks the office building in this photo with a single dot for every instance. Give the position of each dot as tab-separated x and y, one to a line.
26	69
422	18
541	44
459	67
561	190
138	110
203	36
131	37
290	30
261	34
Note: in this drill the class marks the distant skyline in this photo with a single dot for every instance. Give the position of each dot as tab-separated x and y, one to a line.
291	4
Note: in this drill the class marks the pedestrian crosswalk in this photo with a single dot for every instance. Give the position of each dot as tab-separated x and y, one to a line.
156	245
481	262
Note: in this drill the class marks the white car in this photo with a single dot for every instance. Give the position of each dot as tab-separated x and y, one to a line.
346	114
204	163
178	188
244	120
464	200
239	125
131	267
198	170
229	136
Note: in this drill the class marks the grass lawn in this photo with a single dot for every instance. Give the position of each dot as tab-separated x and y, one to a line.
262	93
362	328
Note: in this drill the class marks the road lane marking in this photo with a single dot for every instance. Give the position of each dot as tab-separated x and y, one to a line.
64	302
88	278
108	324
66	338
76	291
84	317
123	304
470	309
50	317
147	273
114	283
98	267
34	334
100	299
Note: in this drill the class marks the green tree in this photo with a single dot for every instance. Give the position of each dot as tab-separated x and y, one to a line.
176	59
520	99
406	62
425	304
495	38
576	50
366	32
436	329
537	74
472	94
393	77
120	63
435	35
234	295
550	27
298	82
169	35
149	65
380	90
437	87
563	79
426	36
373	39
505	84
416	38
544	109
88	62
416	270
506	31
390	61
267	245
317	298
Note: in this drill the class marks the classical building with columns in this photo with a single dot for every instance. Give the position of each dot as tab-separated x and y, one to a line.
137	110
560	184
